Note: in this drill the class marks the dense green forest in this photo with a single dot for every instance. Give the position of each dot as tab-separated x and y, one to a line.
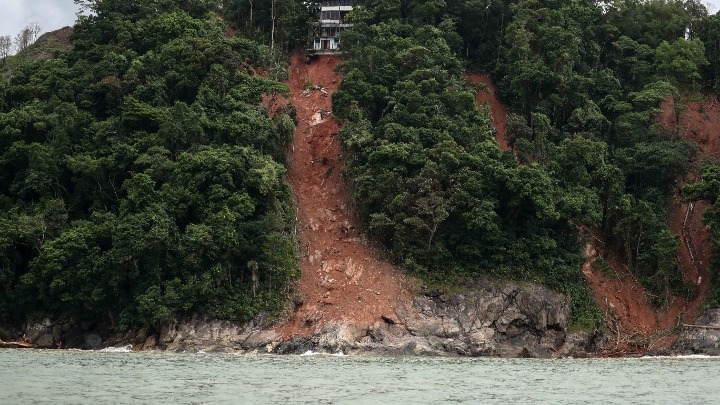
583	80
140	178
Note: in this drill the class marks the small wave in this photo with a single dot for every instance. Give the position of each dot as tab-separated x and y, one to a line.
312	353
121	349
681	357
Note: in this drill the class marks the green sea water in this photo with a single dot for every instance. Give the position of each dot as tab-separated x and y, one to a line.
75	377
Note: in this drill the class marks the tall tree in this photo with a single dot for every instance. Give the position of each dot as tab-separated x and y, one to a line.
6	45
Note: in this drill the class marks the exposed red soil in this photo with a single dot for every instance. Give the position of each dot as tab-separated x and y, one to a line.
343	278
699	125
633	324
498	112
633	319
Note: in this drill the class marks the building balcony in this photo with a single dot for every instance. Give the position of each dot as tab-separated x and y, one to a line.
337	3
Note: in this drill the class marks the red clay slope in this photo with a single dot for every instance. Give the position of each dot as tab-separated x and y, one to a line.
699	125
343	279
498	112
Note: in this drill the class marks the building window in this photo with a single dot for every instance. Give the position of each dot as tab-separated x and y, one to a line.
330	15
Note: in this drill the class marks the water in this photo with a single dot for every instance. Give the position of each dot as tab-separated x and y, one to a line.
73	377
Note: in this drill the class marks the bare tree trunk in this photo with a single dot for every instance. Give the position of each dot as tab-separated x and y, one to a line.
251	13
272	31
6	45
34	31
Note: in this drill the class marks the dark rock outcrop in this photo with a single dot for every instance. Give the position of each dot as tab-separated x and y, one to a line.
69	334
489	320
701	338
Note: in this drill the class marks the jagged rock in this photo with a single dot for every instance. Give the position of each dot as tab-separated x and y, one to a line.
297	345
577	344
44	341
391	319
199	332
482	343
262	340
93	340
488	319
340	337
545	308
422	325
149	343
35	330
701	340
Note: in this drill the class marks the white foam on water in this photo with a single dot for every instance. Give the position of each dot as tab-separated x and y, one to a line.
312	353
121	349
681	357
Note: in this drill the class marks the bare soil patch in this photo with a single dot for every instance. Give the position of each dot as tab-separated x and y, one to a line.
344	280
498	112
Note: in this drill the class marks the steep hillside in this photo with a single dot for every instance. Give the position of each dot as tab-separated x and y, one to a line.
634	322
487	97
344	280
140	179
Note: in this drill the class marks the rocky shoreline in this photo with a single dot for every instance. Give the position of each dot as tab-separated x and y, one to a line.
490	320
703	337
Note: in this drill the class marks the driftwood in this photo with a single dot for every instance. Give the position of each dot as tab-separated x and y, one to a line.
15	345
701	326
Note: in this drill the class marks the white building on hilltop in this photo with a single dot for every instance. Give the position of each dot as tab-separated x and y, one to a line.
327	31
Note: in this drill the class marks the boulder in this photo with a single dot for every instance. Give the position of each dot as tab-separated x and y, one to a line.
340	337
33	331
44	341
262	340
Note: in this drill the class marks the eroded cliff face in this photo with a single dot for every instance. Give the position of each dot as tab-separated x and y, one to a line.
350	299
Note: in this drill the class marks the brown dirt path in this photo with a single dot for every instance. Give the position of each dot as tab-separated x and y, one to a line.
343	279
